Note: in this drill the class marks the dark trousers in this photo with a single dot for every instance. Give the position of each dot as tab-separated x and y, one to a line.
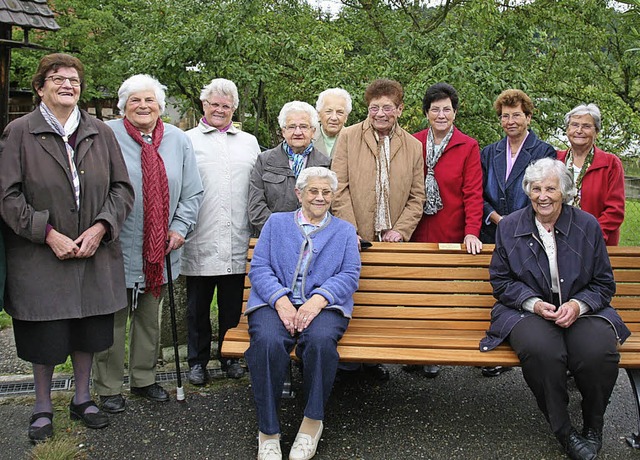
268	360
587	348
200	290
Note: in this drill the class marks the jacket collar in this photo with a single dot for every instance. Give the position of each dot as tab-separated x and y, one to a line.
521	163
208	128
526	226
86	130
370	139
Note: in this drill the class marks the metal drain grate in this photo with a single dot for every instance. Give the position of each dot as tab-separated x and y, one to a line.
26	387
15	388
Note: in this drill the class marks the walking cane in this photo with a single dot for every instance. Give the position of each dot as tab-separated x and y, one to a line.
174	328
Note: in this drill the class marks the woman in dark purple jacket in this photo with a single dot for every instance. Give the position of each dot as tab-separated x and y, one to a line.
553	283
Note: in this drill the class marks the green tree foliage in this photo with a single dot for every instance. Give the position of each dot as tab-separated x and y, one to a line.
561	52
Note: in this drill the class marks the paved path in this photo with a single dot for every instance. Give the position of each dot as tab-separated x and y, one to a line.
459	415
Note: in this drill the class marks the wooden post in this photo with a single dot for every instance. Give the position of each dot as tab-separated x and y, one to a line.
5	66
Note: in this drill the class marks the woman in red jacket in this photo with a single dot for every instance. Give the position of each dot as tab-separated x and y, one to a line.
453	175
598	176
453	181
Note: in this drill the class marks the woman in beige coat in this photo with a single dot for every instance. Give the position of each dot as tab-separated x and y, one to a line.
380	170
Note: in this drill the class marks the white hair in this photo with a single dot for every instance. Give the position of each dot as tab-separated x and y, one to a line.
317	172
585	109
338	92
545	167
297	106
138	83
221	87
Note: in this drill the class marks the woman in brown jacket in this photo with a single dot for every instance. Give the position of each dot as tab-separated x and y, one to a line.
64	194
380	170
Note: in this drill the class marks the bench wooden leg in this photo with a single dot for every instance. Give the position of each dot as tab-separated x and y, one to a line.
287	389
634	378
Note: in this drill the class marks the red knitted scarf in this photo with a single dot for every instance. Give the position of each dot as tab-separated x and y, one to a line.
155	204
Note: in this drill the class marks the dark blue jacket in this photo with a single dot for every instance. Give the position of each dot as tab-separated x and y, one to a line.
520	269
502	196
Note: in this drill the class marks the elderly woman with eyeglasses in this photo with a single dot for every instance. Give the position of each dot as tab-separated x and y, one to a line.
380	170
598	176
164	173
64	196
273	179
304	271
504	162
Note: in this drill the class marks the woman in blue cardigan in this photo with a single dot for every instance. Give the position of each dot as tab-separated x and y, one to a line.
304	271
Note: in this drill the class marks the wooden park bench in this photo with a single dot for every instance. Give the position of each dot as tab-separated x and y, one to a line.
424	303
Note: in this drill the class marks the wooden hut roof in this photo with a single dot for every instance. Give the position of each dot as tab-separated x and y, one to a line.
29	14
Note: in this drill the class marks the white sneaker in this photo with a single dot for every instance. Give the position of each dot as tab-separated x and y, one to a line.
304	447
269	450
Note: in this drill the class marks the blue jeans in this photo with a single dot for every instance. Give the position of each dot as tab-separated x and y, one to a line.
268	360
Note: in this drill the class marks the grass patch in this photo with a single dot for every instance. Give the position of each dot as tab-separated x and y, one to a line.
630	229
5	320
68	438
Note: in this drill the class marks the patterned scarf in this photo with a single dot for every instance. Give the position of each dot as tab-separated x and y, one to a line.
383	160
434	201
65	131
155	203
585	166
297	159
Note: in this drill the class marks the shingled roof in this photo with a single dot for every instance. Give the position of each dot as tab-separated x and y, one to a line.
30	14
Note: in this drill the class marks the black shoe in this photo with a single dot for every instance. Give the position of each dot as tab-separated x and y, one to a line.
198	375
494	371
233	368
113	404
153	392
378	371
93	420
40	434
593	437
431	371
577	447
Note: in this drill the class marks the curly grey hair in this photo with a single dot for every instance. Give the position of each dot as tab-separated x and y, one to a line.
317	172
297	106
137	83
545	167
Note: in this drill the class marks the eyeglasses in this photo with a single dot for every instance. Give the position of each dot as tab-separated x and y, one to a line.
513	116
326	193
58	80
216	106
385	108
584	126
303	128
445	110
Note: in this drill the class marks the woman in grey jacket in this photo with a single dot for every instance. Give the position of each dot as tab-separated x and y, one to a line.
273	179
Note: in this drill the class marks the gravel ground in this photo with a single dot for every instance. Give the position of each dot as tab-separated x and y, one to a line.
459	415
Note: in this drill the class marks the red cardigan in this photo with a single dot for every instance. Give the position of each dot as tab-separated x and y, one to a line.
603	193
459	176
